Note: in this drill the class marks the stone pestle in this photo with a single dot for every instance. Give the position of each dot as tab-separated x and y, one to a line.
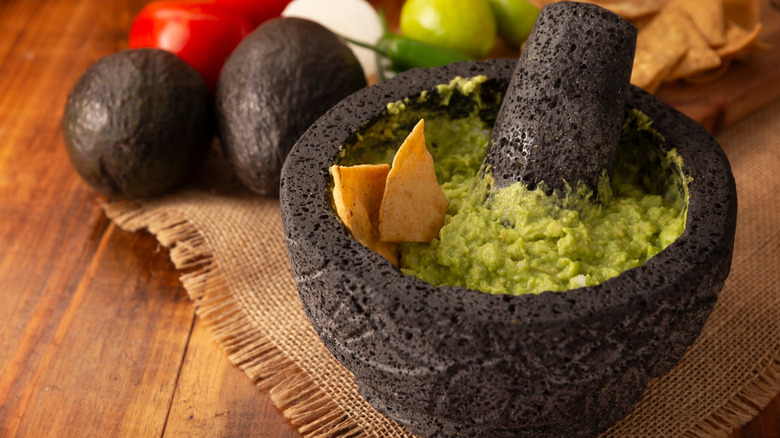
560	121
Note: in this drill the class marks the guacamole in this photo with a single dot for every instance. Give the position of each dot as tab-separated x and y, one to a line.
514	240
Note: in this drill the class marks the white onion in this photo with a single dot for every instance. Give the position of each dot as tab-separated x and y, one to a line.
355	19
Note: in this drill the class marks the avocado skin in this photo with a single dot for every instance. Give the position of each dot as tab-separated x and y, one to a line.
275	84
137	123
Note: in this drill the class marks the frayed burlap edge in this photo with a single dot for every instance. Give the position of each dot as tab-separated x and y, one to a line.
744	406
304	403
308	408
740	409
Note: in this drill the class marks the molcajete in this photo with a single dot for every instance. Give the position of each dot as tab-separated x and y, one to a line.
450	361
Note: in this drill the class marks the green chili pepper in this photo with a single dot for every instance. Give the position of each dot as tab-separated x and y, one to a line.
405	53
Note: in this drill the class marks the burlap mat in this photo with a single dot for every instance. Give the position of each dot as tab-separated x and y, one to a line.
229	246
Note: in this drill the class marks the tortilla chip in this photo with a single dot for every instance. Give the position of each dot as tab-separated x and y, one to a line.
647	73
628	9
744	13
699	57
414	205
708	17
357	196
709	75
738	40
693	40
659	47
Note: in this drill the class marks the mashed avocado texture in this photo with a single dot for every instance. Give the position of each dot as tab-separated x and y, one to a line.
514	240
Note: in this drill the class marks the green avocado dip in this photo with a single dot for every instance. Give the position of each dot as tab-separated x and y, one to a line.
514	240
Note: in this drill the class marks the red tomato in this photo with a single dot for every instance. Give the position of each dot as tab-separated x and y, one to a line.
202	34
256	11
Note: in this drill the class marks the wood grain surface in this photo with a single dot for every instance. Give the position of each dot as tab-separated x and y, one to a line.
97	336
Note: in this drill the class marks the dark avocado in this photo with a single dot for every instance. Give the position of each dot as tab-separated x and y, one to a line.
137	123
277	82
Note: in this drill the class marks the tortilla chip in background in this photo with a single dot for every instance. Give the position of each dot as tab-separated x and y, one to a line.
693	40
628	9
660	45
699	57
708	17
744	13
414	205
357	196
709	75
738	40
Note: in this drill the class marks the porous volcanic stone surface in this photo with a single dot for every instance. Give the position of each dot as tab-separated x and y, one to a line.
449	361
560	121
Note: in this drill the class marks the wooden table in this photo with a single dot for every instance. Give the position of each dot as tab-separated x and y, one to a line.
97	335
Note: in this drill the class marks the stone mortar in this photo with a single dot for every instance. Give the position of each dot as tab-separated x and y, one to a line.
449	361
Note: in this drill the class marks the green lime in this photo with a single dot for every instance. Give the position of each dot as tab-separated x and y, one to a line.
467	26
514	18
